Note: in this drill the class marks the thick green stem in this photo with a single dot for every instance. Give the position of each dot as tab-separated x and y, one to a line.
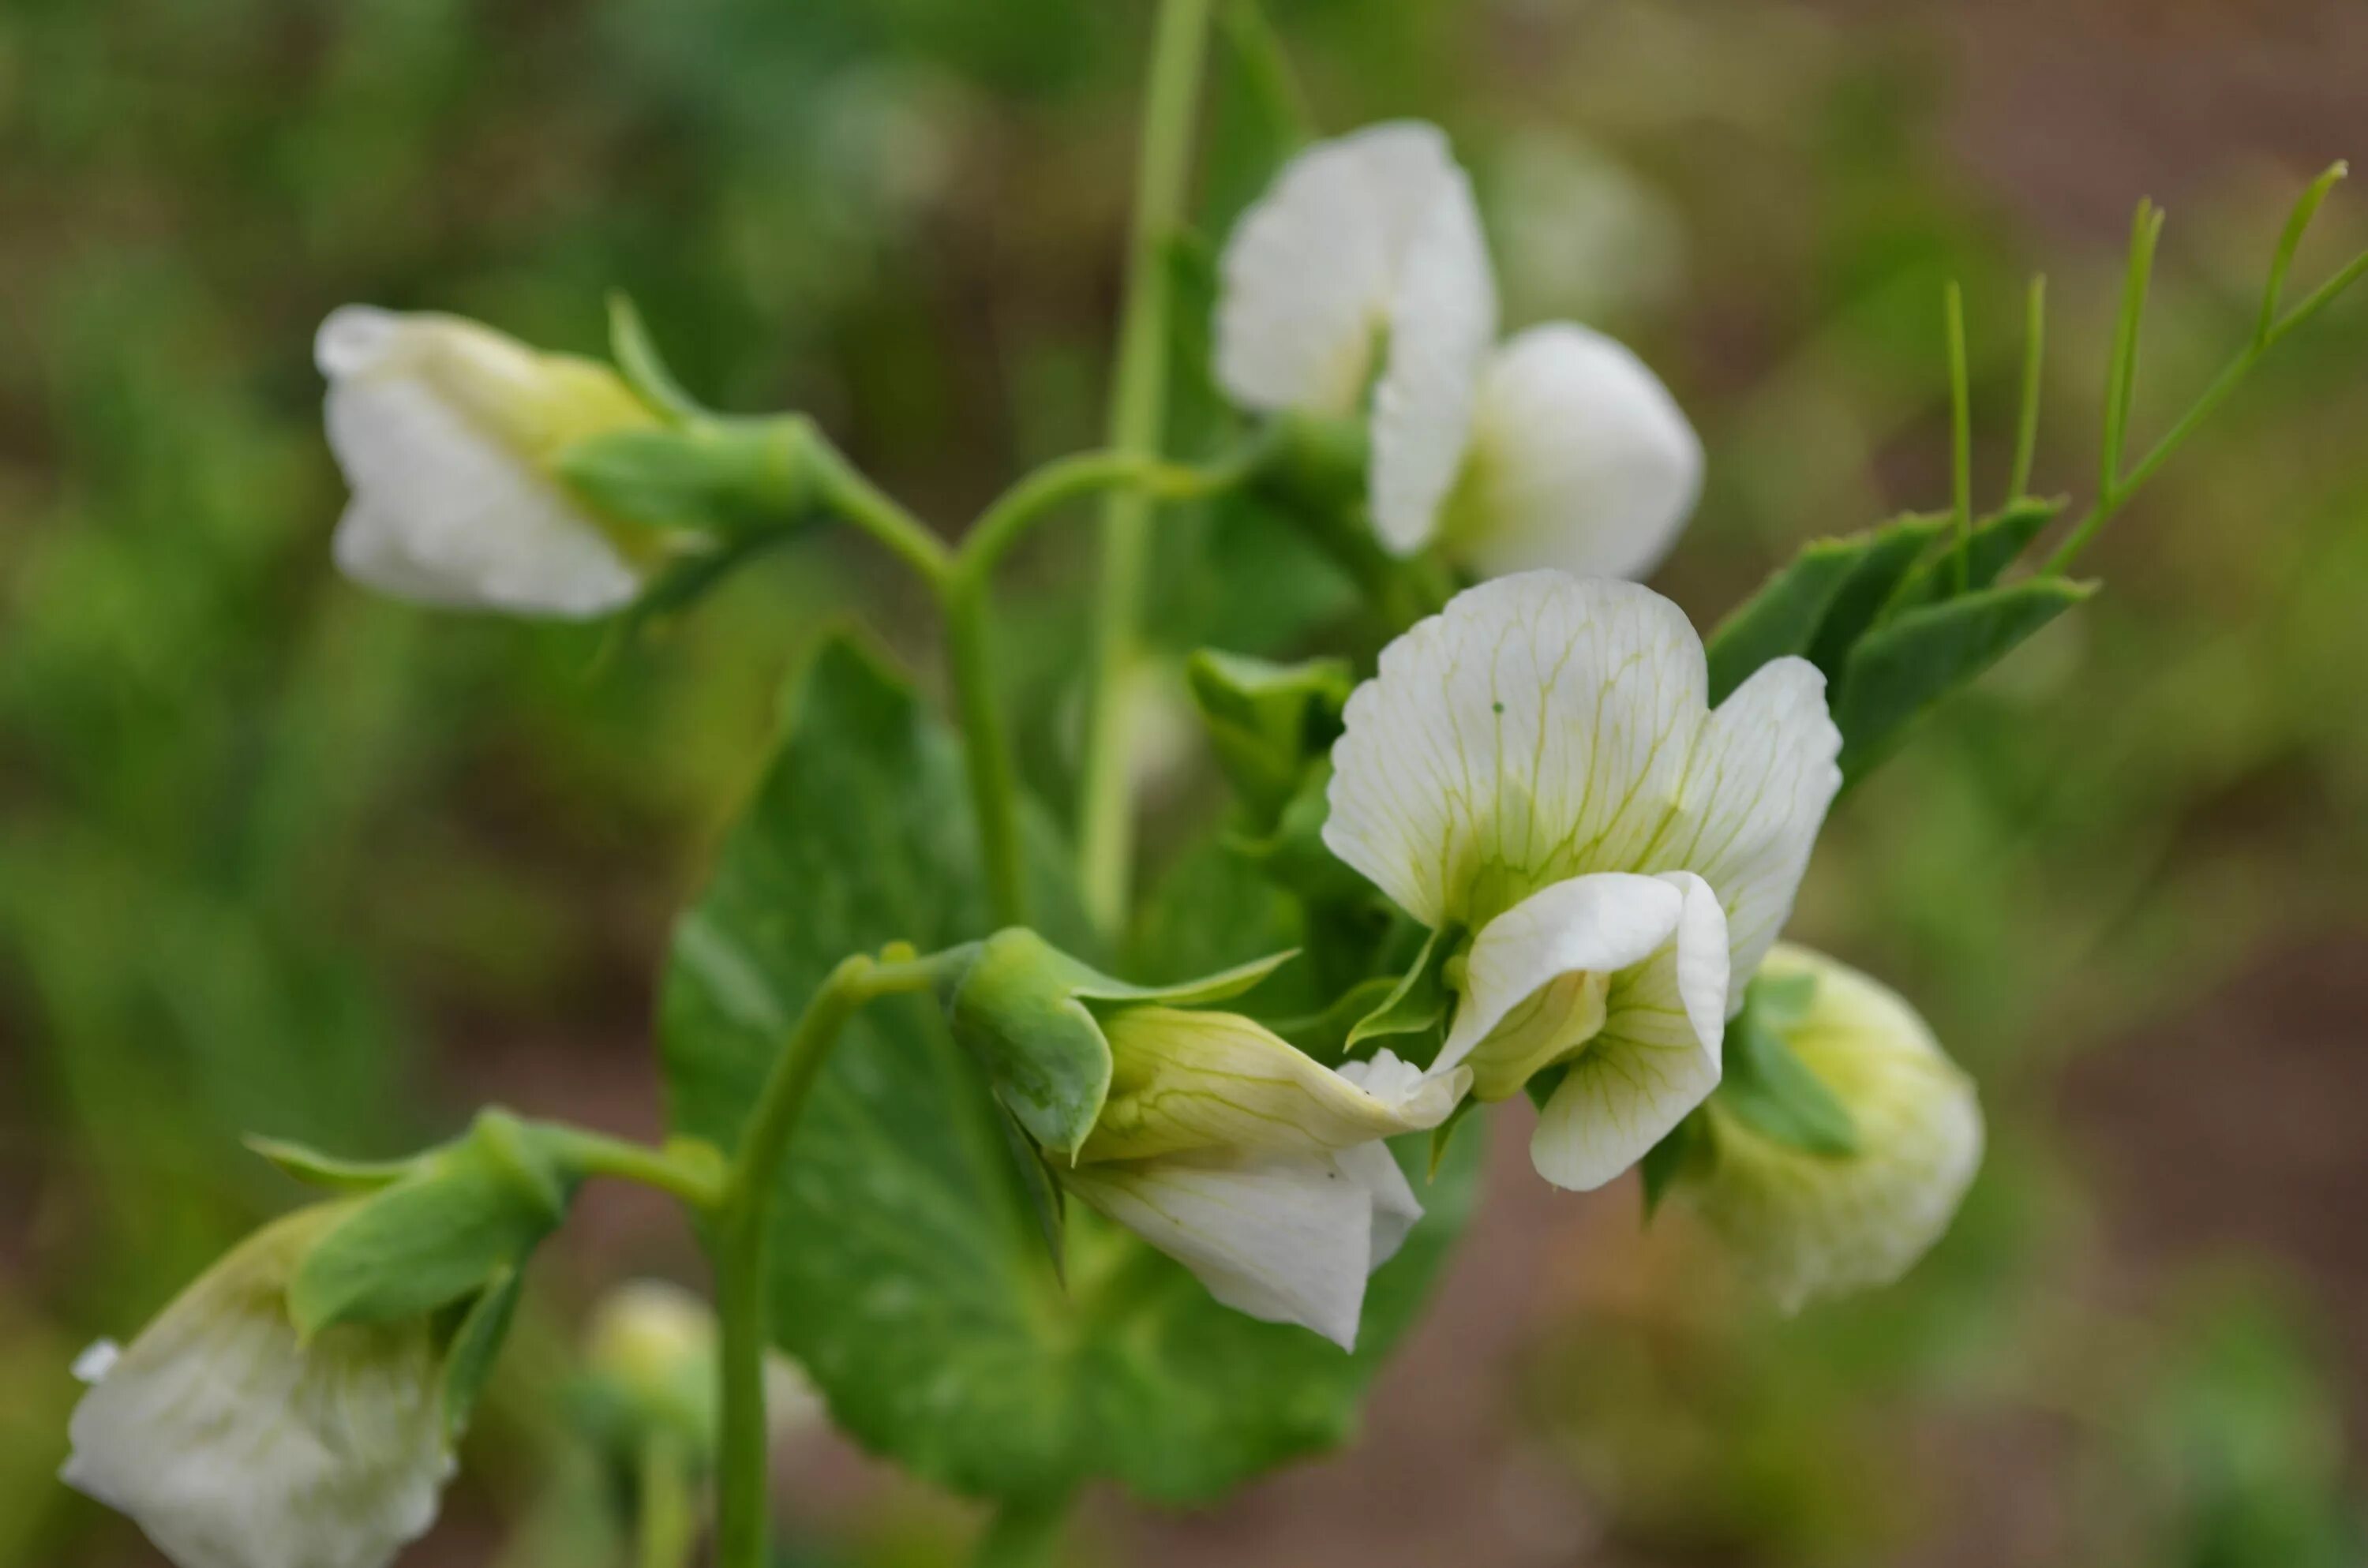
987	745
1138	416
741	1228
1024	1533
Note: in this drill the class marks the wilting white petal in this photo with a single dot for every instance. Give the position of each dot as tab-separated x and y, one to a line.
234	1446
1441	321
1579	459
1185	1080
1286	1238
1755	794
1312	268
1655	1058
441	426
1396	1210
1534	730
1805	1225
1591	926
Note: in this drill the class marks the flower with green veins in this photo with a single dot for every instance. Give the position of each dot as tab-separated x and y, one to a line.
449	433
1255	1165
1537	776
236	1442
1803	1223
1364	267
1220	1143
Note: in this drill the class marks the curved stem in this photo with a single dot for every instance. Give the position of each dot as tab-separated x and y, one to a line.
691	1171
842	488
741	1222
1138	411
1024	1533
987	745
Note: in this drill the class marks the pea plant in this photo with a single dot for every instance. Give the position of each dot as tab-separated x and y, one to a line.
1043	1182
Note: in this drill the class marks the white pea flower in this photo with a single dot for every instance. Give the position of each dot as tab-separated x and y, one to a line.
446	432
1536	773
1805	1225
1255	1165
1556	448
235	1443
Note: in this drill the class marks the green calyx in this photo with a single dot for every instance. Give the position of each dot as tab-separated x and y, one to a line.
1032	1017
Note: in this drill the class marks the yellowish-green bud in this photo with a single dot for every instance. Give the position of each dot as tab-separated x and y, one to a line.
1803	1226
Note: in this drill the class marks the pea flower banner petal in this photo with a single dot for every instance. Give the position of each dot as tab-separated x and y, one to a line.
446	432
1538	766
1364	269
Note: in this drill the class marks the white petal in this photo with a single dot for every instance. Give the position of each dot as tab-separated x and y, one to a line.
1533	730
1580	460
1592	924
1804	1226
98	1358
1655	1058
1285	1238
1419	1099
1443	319
234	1447
1396	1210
472	523
1755	794
1310	271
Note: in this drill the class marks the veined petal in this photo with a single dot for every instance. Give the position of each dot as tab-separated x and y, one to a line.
1755	790
1512	1012
1533	730
1311	270
235	1446
1396	1210
1803	1226
1579	459
1286	1238
439	426
1184	1080
1655	1058
1442	317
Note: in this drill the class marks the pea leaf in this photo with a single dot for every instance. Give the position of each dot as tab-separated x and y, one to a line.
1990	549
908	1271
1892	550
1915	659
1819	603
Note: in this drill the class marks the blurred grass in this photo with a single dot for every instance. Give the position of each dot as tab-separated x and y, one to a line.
276	856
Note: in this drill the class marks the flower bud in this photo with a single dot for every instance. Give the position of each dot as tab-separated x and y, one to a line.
450	434
1804	1224
236	1442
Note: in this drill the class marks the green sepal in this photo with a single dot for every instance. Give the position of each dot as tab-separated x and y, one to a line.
472	1208
726	479
1910	662
1769	1089
1020	1007
1989	550
643	366
1324	1034
1685	1148
315	1169
1046	1199
476	1341
690	577
1266	720
1418	1002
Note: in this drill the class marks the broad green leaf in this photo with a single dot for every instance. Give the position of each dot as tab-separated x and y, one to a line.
1992	548
1913	661
908	1272
476	1206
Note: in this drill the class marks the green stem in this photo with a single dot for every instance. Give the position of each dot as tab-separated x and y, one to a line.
846	492
691	1171
1024	1533
987	745
741	1227
667	1527
1138	411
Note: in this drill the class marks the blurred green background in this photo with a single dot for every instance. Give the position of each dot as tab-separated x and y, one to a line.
279	857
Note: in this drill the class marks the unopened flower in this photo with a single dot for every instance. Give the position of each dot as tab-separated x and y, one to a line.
448	432
1364	269
1536	775
1804	1224
236	1443
1254	1166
